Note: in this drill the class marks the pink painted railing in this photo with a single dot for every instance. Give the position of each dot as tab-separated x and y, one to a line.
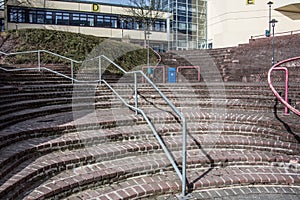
285	101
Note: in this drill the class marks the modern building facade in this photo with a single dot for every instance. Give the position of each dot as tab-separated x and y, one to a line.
181	26
99	19
184	24
188	24
232	22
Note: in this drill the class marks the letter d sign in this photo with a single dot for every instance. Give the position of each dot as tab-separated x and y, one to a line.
96	7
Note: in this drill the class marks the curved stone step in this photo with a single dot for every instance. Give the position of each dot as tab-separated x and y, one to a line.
60	160
167	182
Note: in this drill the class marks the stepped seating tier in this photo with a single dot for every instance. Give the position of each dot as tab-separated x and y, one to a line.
244	63
64	141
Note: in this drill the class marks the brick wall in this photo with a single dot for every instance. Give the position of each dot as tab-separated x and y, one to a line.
247	62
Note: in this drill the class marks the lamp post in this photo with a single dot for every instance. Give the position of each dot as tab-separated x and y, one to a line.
273	22
148	53
270	8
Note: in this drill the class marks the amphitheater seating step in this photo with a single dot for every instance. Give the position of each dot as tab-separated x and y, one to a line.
64	141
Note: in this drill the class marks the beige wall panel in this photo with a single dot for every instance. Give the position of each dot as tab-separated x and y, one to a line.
232	22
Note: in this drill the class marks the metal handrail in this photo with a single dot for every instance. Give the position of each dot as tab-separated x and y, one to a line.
277	34
158	55
283	101
182	173
39	68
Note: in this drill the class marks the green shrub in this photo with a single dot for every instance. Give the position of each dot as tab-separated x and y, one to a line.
75	46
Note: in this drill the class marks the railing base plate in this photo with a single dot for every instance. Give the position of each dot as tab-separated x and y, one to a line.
181	197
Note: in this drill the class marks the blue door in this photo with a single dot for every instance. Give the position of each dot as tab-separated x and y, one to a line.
172	75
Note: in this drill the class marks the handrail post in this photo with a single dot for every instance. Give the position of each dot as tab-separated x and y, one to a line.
184	157
135	93
100	70
39	60
72	71
286	110
286	93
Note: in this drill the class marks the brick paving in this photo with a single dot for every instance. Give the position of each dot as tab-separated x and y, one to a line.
261	192
61	151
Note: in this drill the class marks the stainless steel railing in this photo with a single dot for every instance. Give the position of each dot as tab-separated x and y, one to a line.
181	173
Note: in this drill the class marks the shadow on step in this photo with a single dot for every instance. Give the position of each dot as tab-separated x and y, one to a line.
285	124
211	160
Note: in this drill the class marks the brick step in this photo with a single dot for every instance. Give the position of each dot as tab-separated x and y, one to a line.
41	99
55	67
229	85
21	75
86	87
40	82
32	81
32	74
10	98
29	113
20	98
110	118
63	104
47	142
123	132
89	154
6	90
38	152
42	88
193	91
278	192
94	181
213	103
146	187
55	124
97	101
7	109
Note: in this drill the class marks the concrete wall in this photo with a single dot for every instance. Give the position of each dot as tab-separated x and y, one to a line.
233	22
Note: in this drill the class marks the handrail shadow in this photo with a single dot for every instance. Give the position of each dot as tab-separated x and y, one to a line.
286	126
211	160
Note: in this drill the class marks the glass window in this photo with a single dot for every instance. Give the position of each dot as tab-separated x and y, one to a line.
114	22
2	25
32	17
91	20
66	19
75	19
16	15
99	21
163	26
83	20
181	7
107	22
136	25
49	18
157	26
181	26
62	18
58	18
122	23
